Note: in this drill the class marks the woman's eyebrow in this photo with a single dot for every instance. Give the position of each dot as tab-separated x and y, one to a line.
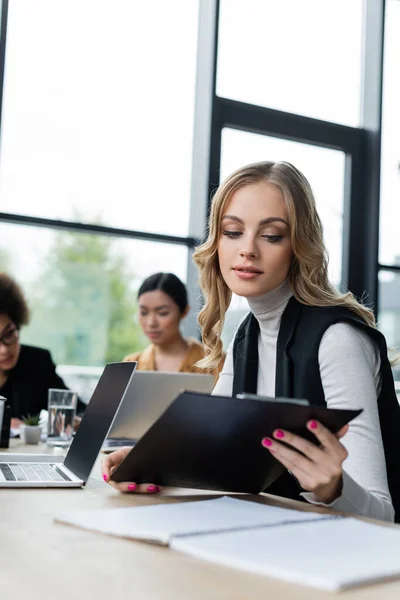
232	218
162	306
263	222
6	327
272	220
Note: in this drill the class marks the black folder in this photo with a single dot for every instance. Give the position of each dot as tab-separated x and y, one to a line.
214	442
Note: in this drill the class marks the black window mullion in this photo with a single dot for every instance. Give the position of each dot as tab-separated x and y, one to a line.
267	121
393	268
3	37
95	229
361	146
367	210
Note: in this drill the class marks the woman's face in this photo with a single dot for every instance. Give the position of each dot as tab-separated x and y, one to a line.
254	249
9	343
159	317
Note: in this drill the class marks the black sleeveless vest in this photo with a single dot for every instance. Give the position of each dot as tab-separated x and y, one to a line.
298	376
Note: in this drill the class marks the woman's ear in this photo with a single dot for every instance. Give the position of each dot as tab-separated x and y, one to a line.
185	312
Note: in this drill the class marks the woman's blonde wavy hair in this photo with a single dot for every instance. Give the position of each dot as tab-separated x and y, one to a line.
308	274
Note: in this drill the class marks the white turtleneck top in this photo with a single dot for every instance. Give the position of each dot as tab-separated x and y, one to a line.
349	363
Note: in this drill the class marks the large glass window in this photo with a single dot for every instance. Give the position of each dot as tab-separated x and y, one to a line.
389	246
389	313
98	112
82	288
389	307
324	168
303	57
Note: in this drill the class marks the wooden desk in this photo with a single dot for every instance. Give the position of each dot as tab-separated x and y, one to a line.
46	560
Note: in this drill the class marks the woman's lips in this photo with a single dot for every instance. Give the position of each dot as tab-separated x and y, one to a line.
153	334
247	272
5	362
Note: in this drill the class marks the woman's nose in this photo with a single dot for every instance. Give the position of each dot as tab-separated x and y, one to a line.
248	253
153	320
248	249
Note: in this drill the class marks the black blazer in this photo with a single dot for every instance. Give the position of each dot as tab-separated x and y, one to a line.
298	376
28	383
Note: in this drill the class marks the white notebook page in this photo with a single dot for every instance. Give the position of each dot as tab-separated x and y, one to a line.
162	522
327	554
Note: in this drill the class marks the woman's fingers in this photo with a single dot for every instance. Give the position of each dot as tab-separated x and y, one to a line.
289	457
302	471
321	478
339	434
111	462
131	486
106	466
318	469
330	444
328	440
147	488
308	449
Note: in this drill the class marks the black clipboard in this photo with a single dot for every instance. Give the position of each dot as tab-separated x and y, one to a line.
214	442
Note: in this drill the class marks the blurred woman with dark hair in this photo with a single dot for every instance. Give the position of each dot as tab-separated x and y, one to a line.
26	372
163	304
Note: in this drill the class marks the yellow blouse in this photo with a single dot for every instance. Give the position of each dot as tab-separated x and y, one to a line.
195	352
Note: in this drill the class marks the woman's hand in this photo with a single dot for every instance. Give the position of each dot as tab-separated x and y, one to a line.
111	462
318	469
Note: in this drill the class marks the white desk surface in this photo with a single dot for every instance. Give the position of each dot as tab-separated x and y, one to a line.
46	560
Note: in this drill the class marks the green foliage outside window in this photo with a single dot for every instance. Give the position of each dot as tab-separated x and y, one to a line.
83	302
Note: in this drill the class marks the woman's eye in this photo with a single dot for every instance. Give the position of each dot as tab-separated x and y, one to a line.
232	234
273	238
163	314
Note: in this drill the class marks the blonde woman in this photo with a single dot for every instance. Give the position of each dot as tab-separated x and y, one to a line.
301	339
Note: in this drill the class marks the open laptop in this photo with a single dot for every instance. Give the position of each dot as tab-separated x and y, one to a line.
73	470
149	394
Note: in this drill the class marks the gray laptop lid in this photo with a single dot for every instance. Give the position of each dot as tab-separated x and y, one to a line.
98	417
148	395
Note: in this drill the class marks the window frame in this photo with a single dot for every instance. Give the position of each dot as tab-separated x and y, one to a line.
188	241
361	145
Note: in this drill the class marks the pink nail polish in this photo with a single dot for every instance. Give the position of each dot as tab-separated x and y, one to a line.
313	424
279	433
132	487
105	477
153	488
266	442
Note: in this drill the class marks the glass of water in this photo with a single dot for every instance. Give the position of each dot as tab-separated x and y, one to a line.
62	411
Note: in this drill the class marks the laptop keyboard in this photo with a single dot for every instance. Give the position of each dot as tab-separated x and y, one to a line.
31	472
117	442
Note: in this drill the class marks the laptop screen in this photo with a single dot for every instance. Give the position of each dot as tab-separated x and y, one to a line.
98	418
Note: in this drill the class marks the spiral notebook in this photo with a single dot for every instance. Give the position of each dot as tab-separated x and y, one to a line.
327	553
320	550
163	522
